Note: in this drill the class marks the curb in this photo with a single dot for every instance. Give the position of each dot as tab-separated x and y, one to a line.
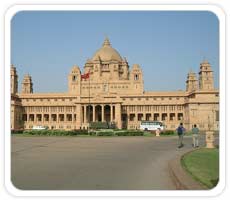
181	179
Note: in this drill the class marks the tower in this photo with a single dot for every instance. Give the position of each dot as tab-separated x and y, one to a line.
13	80
136	78
206	76
27	85
191	83
74	80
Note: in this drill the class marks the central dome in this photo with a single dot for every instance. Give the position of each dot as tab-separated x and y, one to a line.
107	53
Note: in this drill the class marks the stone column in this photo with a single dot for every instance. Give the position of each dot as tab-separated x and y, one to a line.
93	113
102	113
118	115
111	113
42	116
82	113
72	114
78	116
128	117
85	110
50	115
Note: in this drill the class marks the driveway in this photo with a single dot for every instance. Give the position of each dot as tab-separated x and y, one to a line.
94	163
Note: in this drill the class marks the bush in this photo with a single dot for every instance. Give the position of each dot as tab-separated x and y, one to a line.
102	125
92	133
80	132
54	132
129	133
168	132
105	133
16	131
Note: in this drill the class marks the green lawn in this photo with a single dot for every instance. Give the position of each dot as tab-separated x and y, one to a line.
203	165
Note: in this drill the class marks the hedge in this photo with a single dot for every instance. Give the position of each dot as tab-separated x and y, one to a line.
168	132
56	132
102	125
129	133
16	131
105	133
108	132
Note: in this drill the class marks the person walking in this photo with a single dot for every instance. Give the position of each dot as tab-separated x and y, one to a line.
195	136
180	132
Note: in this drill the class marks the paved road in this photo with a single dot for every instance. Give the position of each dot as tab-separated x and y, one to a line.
94	163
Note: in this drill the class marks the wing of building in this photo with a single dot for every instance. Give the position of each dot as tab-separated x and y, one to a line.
112	91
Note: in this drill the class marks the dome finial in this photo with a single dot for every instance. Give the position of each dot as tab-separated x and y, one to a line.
106	42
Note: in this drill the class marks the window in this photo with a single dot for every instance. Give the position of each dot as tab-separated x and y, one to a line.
74	78
217	115
136	77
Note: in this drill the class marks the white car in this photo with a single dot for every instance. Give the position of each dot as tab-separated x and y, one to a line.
40	127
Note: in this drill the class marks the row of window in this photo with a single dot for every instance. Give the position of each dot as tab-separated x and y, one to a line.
47	117
48	99
71	99
154	98
156	117
50	109
112	87
149	108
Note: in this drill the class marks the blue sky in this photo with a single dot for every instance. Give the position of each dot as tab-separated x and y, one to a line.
167	45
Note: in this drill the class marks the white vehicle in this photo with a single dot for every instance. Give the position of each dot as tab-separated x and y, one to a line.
39	127
151	125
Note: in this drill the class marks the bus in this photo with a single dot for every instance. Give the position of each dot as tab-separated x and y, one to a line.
152	125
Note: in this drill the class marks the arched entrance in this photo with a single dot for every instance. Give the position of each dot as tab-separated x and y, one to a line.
98	113
107	113
89	113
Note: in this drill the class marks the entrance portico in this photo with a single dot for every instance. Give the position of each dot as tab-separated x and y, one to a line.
101	113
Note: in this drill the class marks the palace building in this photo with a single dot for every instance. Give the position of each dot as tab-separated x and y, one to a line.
109	90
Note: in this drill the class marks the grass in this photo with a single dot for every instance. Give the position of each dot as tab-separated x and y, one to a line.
203	165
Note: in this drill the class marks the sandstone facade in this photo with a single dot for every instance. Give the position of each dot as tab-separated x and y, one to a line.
114	92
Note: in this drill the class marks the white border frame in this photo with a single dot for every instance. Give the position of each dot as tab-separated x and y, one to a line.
222	57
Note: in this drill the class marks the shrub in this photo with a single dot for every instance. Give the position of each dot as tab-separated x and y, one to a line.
129	133
80	132
52	132
16	131
105	133
168	132
102	125
92	133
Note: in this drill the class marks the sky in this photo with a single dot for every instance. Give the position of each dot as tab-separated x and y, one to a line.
166	44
